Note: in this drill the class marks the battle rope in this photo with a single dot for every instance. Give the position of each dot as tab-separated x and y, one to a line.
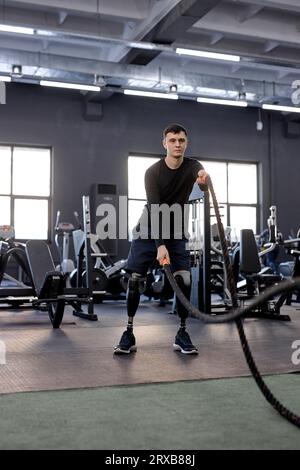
237	313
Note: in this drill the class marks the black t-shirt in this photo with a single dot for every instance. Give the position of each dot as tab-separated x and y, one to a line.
172	187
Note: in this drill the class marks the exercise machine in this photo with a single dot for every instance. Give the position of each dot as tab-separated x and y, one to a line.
12	250
48	291
63	232
106	276
257	280
251	278
49	285
291	269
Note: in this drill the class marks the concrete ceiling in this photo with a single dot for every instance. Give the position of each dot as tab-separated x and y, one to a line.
131	43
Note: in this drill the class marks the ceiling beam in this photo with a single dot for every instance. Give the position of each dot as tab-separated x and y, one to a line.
215	38
135	9
282	54
271	26
54	22
287	5
189	75
270	46
283	74
248	12
173	26
62	16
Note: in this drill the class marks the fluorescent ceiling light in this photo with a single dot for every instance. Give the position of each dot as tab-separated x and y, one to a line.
142	45
151	94
208	55
5	78
242	104
73	86
274	107
16	29
42	32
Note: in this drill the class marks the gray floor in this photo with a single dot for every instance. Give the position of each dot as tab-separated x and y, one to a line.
80	353
210	414
154	387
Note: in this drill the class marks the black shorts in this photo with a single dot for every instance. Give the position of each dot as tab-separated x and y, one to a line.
143	253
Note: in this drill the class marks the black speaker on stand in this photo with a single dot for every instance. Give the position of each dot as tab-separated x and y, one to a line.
104	194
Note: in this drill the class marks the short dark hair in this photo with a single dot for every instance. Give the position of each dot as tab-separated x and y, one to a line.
175	129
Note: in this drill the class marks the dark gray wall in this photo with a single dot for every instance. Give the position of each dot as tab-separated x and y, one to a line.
87	152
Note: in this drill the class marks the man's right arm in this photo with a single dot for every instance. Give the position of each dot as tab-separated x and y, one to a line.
153	197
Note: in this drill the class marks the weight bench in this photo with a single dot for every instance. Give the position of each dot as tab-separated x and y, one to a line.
50	287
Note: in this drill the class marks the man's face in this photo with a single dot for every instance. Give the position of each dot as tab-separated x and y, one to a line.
175	144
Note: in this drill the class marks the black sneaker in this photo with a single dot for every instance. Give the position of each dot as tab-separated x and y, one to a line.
183	343
127	343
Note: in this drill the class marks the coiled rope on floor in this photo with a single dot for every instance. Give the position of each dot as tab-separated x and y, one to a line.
237	313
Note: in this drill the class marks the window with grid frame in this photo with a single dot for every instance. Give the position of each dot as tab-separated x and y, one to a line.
25	190
235	184
236	187
137	166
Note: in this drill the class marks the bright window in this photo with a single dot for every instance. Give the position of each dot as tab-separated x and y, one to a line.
242	183
25	181
242	217
31	172
137	167
4	210
236	186
35	210
5	173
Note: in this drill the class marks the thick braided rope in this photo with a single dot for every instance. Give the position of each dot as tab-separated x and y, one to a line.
237	313
284	286
279	407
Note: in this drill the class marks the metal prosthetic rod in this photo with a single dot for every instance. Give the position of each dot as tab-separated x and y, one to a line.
133	294
183	279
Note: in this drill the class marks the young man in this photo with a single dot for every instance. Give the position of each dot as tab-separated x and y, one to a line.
168	183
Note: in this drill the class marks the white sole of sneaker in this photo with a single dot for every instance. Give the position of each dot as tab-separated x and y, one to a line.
178	348
125	351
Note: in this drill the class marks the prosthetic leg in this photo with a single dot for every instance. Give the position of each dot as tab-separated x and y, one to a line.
135	288
183	341
136	285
